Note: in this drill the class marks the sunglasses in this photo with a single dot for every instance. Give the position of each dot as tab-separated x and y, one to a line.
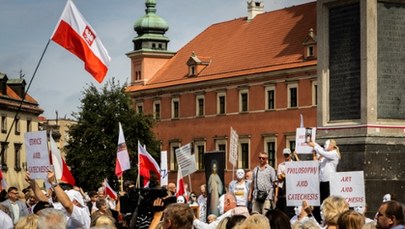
262	158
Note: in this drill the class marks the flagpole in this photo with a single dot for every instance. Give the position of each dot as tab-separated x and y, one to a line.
3	149
121	183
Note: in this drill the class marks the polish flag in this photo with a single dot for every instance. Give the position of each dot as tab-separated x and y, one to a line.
109	191
180	183
122	162
61	170
4	184
76	35
146	163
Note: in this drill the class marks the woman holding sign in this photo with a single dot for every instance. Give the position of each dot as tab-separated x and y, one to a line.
328	158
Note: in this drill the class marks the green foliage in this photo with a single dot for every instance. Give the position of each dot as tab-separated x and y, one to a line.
92	147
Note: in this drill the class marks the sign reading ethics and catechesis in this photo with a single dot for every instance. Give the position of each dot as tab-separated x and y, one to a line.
302	183
349	185
36	148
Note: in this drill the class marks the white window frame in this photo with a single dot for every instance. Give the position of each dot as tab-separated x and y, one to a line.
175	99
240	142
243	91
173	155
197	98
154	109
314	93
270	88
289	87
220	94
196	153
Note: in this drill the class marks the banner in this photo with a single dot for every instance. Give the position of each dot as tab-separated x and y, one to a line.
303	136
186	160
302	183
233	147
349	185
36	148
164	175
214	163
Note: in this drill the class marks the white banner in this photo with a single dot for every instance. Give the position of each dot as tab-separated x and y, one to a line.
304	135
302	183
186	160
233	147
349	185
164	175
36	148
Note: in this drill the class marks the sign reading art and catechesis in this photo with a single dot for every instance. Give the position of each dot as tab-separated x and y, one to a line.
303	136
349	185
36	148
302	183
186	160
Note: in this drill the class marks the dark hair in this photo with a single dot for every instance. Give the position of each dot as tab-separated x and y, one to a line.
41	205
92	193
100	203
180	215
12	188
235	220
394	208
350	219
278	219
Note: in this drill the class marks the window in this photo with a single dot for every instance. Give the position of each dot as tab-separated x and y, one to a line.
4	124
221	103
29	127
200	105
4	147
17	156
270	98
192	70
173	159
243	156
310	51
292	95
220	145
244	101
139	107
17	126
314	93
270	148
156	110
175	107
199	150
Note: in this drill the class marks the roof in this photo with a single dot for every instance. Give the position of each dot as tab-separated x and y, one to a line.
271	41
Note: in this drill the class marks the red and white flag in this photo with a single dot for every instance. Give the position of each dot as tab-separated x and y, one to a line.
122	162
146	163
77	36
61	169
4	184
180	183
109	191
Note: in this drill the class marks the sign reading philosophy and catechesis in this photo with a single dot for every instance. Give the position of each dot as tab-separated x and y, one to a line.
302	183
186	160
303	136
36	148
349	185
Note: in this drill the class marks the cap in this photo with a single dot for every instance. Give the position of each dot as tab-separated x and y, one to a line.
287	151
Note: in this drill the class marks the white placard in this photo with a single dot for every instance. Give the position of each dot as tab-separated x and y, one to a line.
302	183
36	148
164	175
186	160
304	135
233	147
349	185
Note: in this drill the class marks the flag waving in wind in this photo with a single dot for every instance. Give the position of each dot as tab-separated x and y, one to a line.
109	191
77	36
180	183
122	162
146	163
61	170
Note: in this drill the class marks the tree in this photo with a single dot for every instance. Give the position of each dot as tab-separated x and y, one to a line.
92	147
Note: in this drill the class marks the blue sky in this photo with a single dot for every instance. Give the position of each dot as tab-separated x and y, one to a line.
26	26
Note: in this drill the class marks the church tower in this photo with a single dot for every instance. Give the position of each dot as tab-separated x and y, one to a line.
150	46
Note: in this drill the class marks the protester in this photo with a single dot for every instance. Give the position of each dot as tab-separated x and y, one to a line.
5	221
27	222
193	199
306	224
211	218
281	189
202	203
102	211
350	219
331	209
255	221
235	221
240	188
262	186
104	221
92	203
303	213
178	216
222	223
16	207
171	189
30	200
278	219
390	215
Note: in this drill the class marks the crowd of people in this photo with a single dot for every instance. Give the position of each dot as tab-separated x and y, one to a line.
255	199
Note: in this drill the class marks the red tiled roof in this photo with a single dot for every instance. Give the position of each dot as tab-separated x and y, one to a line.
271	41
13	99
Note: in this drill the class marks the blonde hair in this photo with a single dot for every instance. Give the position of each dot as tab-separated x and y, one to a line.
27	222
350	220
104	220
332	142
306	224
332	207
255	221
222	223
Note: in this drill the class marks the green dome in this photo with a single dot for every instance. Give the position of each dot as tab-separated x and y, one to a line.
151	22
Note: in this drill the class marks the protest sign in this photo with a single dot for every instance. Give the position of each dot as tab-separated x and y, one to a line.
164	175
349	185
302	183
36	148
233	147
186	160
303	136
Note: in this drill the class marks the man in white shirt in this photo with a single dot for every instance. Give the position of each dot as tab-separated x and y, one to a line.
16	207
5	221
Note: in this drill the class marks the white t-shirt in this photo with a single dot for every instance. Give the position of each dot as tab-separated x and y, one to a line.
5	221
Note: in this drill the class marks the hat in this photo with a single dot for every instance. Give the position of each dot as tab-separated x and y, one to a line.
75	195
287	151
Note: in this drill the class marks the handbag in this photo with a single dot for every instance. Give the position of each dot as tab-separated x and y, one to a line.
261	196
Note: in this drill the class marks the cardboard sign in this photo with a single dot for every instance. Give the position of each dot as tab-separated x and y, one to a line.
164	175
349	185
186	160
233	147
36	148
303	136
302	183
